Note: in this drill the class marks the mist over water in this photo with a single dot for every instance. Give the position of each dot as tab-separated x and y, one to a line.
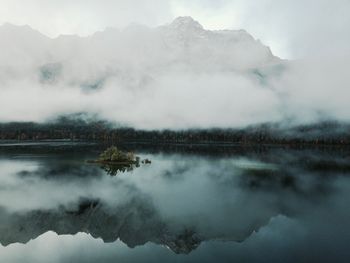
251	204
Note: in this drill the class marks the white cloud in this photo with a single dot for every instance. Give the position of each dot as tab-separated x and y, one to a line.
178	76
82	17
150	78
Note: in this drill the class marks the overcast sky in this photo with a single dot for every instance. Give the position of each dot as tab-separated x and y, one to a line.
292	28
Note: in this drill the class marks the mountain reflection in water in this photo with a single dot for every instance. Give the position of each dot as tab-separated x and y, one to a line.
181	201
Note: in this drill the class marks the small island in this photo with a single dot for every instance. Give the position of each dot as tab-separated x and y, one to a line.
113	156
114	161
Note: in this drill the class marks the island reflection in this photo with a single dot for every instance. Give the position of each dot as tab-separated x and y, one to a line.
180	201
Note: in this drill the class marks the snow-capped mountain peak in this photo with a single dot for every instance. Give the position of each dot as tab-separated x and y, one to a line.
186	23
183	43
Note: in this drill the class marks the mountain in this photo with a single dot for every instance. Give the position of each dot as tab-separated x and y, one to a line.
23	48
227	49
182	43
139	76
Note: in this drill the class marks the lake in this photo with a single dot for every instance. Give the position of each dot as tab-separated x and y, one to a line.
199	203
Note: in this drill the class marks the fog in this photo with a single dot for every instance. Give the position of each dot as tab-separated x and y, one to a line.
281	204
175	76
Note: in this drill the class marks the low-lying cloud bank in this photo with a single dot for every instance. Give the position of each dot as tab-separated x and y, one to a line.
176	76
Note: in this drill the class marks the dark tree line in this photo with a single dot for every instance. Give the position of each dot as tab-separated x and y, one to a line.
321	133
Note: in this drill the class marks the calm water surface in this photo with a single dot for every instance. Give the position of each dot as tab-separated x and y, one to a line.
206	204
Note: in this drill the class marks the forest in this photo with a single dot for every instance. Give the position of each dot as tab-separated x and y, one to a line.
325	133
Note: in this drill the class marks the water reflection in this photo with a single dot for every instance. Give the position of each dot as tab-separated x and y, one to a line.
113	169
180	201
